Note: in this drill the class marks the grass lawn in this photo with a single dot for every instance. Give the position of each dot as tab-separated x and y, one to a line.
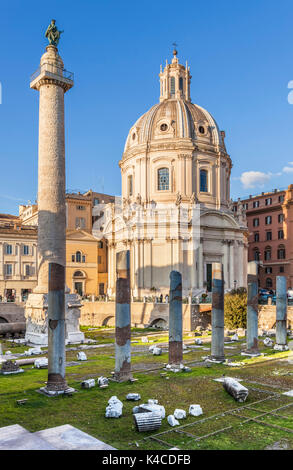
266	377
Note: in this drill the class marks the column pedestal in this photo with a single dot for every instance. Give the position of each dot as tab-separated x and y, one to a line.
36	314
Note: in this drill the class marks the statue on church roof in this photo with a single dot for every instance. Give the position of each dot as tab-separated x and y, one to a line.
53	34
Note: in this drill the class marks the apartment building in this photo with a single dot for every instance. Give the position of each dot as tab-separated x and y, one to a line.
270	223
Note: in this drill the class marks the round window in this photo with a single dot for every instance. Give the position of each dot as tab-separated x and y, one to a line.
201	129
163	127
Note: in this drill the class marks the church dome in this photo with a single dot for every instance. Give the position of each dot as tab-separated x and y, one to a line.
175	118
175	151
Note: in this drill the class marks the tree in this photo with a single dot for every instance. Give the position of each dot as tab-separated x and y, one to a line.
236	308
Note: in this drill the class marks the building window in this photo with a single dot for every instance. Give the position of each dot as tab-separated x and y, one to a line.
130	185
80	222
268	253
73	258
203	181
8	269
269	201
172	86
282	270
181	83
269	236
245	206
255	222
101	289
26	250
8	250
255	204
269	283
201	129
78	257
268	220
163	179
269	270
281	218
78	274
281	198
256	254
80	208
83	258
27	269
281	252
96	201
256	237
100	245
280	234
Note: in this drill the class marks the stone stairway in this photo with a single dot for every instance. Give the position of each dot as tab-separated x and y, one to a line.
64	437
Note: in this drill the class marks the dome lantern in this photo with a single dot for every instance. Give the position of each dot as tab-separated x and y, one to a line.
175	80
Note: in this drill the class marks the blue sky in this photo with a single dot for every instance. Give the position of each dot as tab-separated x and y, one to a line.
241	60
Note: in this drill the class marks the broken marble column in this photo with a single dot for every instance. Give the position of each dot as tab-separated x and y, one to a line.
123	319
147	421
89	383
235	389
217	349
281	314
175	319
252	308
56	329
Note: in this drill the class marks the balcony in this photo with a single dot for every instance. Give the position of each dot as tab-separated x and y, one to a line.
50	71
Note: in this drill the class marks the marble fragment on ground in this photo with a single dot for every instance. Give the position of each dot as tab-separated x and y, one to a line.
114	408
179	414
172	421
195	410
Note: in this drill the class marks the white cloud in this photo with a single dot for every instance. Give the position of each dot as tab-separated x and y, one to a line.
252	179
288	169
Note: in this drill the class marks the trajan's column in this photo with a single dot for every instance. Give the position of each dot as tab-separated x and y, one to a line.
48	306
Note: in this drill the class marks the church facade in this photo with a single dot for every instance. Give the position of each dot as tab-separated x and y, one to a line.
175	211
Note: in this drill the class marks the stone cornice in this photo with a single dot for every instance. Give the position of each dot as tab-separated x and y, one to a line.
52	81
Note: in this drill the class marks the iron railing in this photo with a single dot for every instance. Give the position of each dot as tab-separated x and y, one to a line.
51	68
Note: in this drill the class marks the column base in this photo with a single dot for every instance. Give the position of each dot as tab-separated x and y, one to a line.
281	347
251	353
55	393
122	377
217	359
36	314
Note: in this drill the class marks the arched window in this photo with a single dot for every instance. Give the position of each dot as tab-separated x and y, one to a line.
78	257
172	86
269	283
130	185
268	253
181	83
163	179
78	274
281	252
203	181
